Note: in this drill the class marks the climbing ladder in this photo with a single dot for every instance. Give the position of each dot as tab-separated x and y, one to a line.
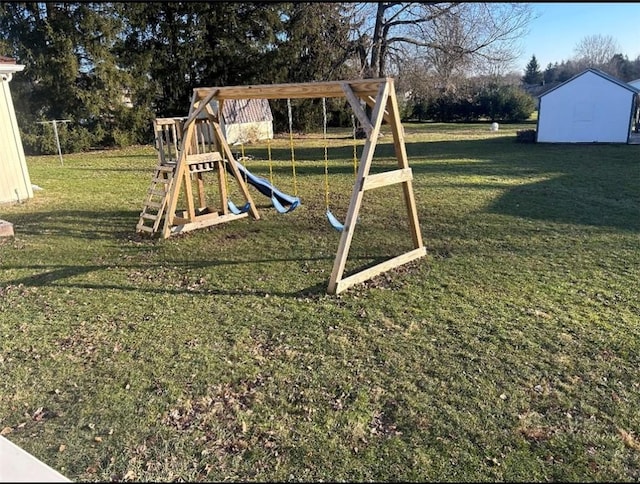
156	200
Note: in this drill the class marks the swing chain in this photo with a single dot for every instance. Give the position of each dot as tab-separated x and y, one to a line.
326	155
293	159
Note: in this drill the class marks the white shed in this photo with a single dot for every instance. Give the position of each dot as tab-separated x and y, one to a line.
15	183
247	120
591	107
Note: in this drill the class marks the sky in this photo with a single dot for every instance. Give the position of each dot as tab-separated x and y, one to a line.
559	27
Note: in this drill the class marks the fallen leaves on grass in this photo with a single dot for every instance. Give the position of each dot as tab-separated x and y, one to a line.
629	439
532	429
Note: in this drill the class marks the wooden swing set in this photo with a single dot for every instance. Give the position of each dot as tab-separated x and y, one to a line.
203	148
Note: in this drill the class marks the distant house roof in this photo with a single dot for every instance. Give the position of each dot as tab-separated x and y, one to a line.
6	60
537	90
238	111
597	72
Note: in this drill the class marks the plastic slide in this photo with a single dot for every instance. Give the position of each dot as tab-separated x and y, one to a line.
266	188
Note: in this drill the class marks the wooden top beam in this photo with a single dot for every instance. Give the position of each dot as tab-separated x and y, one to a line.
360	87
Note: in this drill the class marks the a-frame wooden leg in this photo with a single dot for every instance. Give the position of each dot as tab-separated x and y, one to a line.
181	177
181	174
384	107
335	281
403	163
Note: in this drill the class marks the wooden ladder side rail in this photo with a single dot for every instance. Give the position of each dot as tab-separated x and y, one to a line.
336	284
164	176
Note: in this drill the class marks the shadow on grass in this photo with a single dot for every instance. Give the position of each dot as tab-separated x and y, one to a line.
596	185
58	275
566	199
85	224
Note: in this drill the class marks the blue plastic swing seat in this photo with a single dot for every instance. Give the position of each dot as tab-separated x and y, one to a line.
233	208
335	223
281	208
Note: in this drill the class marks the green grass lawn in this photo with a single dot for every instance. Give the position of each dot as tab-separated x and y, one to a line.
511	352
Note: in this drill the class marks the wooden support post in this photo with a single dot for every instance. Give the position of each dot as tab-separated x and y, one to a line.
236	172
222	187
216	143
202	199
354	102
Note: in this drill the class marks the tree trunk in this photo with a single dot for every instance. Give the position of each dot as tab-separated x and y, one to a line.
375	67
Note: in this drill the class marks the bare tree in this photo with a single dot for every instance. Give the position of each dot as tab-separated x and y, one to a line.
595	51
453	36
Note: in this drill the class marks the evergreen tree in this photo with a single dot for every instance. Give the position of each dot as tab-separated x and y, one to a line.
313	47
158	49
112	67
620	67
532	74
70	70
550	73
172	47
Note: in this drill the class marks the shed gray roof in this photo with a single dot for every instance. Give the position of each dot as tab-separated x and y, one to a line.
237	111
597	72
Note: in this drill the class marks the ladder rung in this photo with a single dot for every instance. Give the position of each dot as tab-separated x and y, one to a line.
144	228
154	204
161	180
159	193
149	216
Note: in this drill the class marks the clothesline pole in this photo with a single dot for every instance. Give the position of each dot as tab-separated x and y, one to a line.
55	132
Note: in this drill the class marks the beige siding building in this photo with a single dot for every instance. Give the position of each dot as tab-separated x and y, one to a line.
15	184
